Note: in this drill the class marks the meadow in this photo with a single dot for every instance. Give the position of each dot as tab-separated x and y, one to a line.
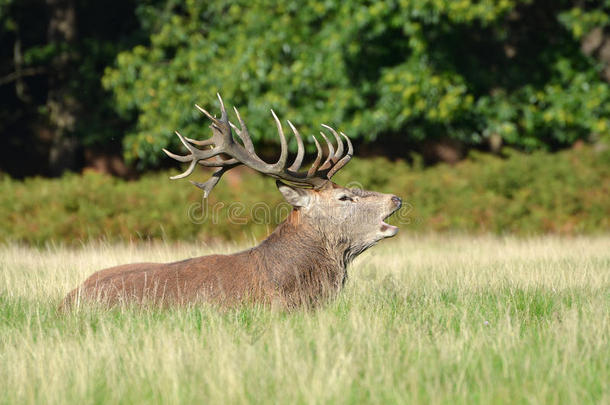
423	319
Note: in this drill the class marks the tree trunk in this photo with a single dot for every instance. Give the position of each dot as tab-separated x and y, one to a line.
62	105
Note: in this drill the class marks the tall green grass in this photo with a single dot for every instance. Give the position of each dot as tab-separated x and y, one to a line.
431	320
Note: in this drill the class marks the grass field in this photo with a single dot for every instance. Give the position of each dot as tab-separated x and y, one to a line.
430	319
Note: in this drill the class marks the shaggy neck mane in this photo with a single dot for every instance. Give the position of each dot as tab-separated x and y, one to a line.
296	252
300	242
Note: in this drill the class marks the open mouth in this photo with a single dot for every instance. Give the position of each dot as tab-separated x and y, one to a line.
386	228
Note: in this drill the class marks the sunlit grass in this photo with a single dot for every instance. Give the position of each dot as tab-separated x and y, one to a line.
434	320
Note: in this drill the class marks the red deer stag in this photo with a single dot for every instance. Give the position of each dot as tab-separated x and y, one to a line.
301	262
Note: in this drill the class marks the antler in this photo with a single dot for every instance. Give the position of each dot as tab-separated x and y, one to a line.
222	145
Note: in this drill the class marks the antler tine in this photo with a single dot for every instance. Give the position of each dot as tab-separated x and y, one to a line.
281	163
225	128
187	172
196	154
350	147
339	152
344	160
179	158
207	114
243	133
184	142
205	142
296	165
234	127
189	158
331	152
208	185
219	163
237	153
314	166
194	161
223	111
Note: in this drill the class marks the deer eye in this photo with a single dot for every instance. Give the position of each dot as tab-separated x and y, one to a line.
345	198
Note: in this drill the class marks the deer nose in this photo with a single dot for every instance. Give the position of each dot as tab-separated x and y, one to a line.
397	201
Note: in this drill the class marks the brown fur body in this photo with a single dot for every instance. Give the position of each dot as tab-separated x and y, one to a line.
284	268
302	262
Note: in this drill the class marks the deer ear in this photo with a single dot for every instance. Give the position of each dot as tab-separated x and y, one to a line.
297	197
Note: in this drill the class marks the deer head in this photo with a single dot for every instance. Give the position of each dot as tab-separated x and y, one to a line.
344	218
348	219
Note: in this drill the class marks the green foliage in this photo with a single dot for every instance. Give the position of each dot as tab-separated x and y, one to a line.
582	20
566	193
466	70
43	65
93	206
